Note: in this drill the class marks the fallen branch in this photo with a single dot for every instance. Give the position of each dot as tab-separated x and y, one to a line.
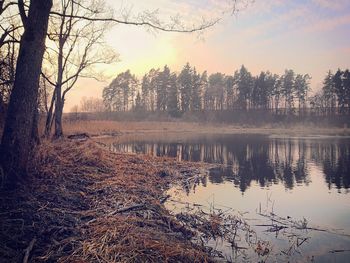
28	250
339	250
164	199
129	208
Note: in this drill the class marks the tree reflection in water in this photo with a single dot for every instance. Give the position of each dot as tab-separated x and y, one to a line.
257	158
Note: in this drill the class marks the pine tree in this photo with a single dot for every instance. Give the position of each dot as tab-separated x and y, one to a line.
185	85
162	87
301	87
145	93
121	92
172	102
287	90
244	86
229	84
216	88
138	103
154	83
196	100
339	90
346	85
204	89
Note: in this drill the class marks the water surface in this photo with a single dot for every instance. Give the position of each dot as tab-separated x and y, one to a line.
296	178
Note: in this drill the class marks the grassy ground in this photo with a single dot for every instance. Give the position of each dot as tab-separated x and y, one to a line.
117	128
82	203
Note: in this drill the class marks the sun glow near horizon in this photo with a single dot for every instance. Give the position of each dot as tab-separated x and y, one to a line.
310	37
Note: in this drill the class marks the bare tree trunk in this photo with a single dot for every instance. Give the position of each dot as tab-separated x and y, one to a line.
17	136
58	88
49	116
58	113
35	129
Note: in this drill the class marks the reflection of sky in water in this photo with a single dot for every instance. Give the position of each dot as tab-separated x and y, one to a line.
323	208
300	178
315	202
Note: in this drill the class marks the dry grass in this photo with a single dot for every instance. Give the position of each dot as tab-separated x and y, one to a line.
114	127
83	203
117	128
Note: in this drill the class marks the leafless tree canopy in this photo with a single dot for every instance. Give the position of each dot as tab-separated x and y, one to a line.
151	19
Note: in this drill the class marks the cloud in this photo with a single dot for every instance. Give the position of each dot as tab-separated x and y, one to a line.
327	24
331	4
291	19
259	7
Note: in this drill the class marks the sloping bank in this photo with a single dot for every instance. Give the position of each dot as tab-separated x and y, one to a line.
83	203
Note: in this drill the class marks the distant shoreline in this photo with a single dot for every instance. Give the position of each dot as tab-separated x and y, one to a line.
116	128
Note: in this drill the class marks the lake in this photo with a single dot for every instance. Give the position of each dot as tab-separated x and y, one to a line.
303	180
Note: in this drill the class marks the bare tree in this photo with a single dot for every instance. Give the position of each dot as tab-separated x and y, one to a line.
92	105
76	47
18	130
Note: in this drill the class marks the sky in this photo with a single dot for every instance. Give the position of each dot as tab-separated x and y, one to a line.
310	37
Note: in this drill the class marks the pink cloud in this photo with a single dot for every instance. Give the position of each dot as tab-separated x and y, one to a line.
331	4
291	18
322	25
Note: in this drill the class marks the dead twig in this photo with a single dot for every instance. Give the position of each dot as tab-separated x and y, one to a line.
129	208
28	250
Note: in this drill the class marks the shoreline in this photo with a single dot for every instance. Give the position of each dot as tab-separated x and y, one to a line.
113	129
83	203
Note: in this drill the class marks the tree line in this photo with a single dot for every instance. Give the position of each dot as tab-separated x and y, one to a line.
334	97
191	91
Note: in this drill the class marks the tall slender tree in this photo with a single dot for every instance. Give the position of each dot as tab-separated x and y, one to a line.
302	87
173	97
196	100
162	87
146	92
346	85
244	86
287	90
229	85
185	85
339	90
204	88
217	90
329	94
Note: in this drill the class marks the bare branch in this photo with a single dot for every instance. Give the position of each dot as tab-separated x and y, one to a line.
7	82
47	79
7	32
165	28
4	7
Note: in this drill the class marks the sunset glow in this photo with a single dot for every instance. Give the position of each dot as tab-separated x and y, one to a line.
307	36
